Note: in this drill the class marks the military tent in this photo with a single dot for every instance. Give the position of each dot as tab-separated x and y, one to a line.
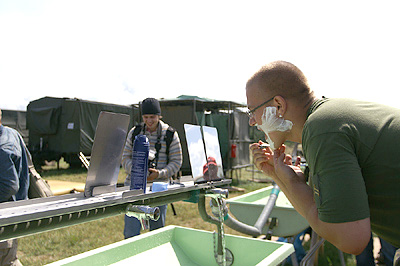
228	117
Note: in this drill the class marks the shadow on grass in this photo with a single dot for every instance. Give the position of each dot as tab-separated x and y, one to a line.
63	172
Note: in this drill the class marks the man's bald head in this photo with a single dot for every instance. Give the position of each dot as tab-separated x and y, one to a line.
280	78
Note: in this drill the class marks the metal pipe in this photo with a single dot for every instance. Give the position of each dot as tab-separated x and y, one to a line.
143	214
311	252
241	227
208	218
84	161
266	212
138	210
203	212
221	191
255	230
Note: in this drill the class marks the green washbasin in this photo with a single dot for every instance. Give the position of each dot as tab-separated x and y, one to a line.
173	245
248	207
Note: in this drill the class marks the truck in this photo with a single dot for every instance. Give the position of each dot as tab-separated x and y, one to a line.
65	127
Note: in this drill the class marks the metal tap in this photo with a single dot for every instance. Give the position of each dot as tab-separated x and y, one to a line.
219	191
143	214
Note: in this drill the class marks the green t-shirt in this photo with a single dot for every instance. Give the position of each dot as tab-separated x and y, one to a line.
353	152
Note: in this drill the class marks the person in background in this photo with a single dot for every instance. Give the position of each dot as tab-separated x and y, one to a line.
210	169
167	161
14	182
352	151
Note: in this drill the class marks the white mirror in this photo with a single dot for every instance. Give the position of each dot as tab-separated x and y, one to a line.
206	164
196	151
213	153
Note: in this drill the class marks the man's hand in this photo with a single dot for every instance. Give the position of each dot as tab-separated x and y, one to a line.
263	159
154	173
284	168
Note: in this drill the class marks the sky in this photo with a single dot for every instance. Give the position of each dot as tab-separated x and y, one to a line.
124	51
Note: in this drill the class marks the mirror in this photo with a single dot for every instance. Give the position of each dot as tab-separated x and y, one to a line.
203	169
105	159
213	152
196	151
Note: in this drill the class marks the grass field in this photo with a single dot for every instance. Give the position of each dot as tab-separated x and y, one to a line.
47	247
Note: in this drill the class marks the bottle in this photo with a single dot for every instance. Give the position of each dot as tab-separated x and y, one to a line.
140	158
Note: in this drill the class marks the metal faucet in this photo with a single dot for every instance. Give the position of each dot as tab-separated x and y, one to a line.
143	214
223	255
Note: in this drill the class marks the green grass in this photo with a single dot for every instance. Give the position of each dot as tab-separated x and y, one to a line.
54	245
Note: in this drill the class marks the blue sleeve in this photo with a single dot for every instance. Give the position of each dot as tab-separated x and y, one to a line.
9	181
22	193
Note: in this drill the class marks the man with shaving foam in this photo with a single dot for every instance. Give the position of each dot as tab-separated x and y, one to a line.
351	148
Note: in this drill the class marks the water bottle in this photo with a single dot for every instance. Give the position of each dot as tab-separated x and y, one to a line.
140	158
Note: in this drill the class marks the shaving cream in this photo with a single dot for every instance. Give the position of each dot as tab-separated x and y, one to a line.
271	122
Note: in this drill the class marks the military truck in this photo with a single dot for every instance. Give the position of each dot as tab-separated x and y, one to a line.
65	127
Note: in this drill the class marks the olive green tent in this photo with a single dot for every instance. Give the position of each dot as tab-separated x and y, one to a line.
63	127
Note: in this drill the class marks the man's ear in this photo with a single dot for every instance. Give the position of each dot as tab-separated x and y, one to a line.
281	105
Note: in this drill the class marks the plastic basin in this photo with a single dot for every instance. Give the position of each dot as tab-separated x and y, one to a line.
173	245
248	207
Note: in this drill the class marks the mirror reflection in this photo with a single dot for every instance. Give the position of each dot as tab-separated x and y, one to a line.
206	164
196	150
213	153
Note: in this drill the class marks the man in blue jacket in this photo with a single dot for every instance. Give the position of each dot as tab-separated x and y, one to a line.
14	182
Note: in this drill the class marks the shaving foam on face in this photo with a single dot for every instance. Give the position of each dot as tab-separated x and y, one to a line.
270	142
271	123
